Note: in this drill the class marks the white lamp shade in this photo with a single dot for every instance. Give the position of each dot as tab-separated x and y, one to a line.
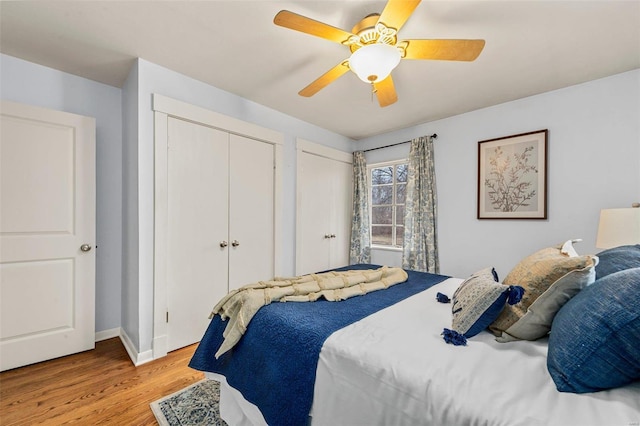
374	62
618	227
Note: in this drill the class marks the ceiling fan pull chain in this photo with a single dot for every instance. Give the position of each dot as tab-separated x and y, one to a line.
373	91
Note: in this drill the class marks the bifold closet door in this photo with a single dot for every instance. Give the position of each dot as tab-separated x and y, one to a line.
251	211
324	206
197	251
316	209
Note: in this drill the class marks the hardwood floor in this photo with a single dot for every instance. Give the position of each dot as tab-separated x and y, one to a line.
98	387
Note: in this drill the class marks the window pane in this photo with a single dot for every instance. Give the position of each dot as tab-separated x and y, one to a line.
401	172
381	235
388	194
399	215
399	235
382	195
382	175
381	215
401	190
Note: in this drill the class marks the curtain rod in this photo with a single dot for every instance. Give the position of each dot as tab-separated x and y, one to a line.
435	136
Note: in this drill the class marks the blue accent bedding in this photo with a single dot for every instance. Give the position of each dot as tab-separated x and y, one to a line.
274	364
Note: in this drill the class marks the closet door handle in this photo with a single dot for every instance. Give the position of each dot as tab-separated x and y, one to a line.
327	236
332	235
223	244
235	243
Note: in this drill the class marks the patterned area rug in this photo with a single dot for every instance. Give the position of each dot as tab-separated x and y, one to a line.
197	404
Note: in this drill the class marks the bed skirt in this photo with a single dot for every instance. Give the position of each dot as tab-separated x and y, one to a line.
234	409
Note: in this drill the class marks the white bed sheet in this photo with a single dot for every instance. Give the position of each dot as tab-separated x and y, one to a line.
393	368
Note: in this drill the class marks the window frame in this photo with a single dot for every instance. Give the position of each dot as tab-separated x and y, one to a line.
394	205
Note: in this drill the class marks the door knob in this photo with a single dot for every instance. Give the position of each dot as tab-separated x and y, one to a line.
85	247
332	235
223	244
327	236
235	243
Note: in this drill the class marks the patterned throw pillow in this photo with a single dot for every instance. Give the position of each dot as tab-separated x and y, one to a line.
595	338
537	273
476	303
536	323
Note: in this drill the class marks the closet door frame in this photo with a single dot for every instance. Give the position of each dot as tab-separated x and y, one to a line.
305	146
165	107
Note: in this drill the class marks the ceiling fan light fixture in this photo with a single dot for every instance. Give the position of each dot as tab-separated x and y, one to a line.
373	63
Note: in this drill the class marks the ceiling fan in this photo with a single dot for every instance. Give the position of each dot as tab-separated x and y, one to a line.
375	48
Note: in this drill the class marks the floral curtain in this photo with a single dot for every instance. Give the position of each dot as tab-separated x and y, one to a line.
420	247
360	251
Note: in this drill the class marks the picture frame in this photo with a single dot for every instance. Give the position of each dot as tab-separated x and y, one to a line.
512	176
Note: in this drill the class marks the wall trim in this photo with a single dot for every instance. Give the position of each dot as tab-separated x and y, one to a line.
159	346
303	145
107	334
137	358
175	108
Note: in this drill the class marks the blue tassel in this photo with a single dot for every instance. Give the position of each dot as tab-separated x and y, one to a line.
442	298
453	337
515	294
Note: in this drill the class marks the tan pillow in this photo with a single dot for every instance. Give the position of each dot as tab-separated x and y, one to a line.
537	273
536	323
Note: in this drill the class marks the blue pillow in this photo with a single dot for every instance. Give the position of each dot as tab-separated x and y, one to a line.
477	303
617	259
595	337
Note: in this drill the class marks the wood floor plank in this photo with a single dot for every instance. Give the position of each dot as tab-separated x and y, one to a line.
97	387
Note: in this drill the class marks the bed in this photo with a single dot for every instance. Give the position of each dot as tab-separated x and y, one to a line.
388	364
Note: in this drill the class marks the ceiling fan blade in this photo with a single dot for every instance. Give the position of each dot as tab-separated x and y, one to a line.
396	12
291	20
325	79
446	50
386	92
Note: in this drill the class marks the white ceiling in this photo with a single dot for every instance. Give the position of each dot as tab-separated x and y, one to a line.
531	47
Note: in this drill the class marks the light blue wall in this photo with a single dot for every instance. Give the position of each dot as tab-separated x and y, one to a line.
28	83
594	163
130	256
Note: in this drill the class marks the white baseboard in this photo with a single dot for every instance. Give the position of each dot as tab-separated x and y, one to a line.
136	358
107	334
144	357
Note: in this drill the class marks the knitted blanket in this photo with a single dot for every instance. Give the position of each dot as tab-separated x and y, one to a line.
239	306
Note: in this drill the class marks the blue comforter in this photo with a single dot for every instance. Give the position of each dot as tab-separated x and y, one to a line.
274	364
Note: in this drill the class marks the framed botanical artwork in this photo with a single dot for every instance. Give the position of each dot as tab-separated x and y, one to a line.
512	177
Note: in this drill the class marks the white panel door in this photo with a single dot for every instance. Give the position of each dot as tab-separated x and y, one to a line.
315	208
251	211
47	213
342	206
197	234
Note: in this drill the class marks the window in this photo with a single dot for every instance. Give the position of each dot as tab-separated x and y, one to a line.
388	188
